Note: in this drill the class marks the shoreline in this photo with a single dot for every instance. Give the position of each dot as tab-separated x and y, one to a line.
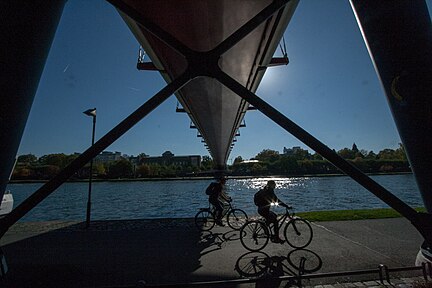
188	178
313	216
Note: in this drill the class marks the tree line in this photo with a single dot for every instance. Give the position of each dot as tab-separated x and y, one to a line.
266	162
30	167
301	162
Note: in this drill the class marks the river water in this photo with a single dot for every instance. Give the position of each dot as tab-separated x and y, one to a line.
182	198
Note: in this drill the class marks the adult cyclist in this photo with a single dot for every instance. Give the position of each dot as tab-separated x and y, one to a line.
264	198
217	197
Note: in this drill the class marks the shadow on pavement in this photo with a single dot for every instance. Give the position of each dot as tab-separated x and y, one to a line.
259	265
109	253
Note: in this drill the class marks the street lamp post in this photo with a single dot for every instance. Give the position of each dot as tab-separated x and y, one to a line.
92	113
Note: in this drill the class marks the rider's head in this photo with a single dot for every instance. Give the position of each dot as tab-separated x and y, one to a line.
271	184
222	180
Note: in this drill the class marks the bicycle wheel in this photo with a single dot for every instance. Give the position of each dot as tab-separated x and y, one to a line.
204	220
254	235
253	264
236	218
298	233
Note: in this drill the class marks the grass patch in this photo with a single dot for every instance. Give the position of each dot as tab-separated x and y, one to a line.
343	215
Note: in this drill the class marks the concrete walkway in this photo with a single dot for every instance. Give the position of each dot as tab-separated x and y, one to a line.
168	251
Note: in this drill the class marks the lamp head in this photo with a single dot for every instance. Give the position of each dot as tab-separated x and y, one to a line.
90	112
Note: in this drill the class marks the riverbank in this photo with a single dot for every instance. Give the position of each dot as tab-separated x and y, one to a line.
356	214
189	178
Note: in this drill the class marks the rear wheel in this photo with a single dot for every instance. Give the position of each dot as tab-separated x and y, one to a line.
236	218
204	220
254	235
298	233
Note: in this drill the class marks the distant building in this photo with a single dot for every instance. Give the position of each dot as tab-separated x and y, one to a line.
296	151
168	158
292	151
135	160
107	156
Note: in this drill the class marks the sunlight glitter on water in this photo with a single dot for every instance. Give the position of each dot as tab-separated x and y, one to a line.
183	198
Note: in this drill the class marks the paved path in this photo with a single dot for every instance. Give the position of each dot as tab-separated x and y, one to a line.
164	251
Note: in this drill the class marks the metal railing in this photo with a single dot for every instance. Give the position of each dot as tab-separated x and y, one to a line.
383	273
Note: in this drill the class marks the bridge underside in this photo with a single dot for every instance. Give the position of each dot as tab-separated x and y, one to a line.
202	25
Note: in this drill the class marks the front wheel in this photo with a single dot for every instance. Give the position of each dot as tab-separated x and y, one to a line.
236	218
298	233
254	235
204	220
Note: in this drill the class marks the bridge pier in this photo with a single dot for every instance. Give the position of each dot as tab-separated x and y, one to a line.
27	31
398	35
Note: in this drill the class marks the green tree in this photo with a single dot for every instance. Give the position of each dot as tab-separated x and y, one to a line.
23	173
317	156
46	171
354	148
155	170
120	169
143	170
400	153
258	169
346	153
301	154
58	160
288	165
207	163
268	155
371	155
27	158
386	154
99	169
237	160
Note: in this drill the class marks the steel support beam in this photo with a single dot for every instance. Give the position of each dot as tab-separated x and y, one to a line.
91	152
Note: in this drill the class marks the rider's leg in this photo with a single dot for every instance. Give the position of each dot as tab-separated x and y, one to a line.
272	217
218	213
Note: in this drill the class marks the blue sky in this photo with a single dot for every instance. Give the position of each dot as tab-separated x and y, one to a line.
330	88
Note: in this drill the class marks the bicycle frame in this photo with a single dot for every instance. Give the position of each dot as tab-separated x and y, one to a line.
280	220
227	207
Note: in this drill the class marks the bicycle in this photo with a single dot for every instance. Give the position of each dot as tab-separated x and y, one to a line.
255	234
205	218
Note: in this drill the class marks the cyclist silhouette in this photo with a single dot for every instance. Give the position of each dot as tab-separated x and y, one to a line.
217	198
264	199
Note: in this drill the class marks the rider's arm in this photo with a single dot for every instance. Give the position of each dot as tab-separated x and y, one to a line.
225	197
281	203
284	205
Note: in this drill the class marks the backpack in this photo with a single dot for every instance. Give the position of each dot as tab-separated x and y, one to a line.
211	189
259	199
